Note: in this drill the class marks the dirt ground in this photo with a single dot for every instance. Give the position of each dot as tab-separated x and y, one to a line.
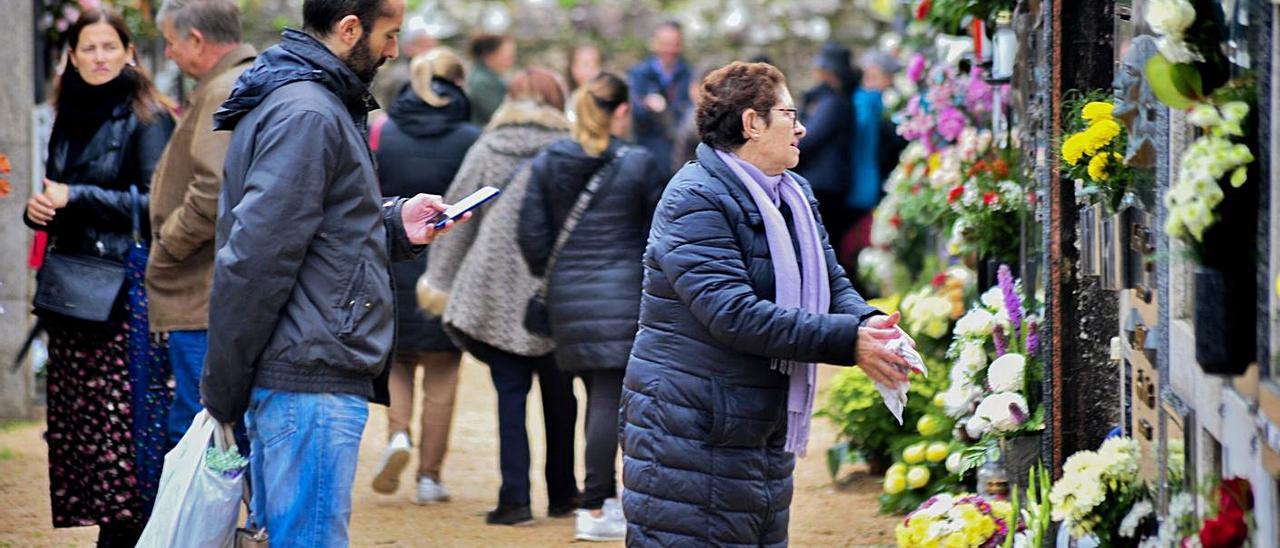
822	515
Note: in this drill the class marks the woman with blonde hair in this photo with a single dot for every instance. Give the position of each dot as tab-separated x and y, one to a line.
583	226
420	150
482	287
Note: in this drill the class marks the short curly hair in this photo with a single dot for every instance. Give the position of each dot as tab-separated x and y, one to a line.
730	90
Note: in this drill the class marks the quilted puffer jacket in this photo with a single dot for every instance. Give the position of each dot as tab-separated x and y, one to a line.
703	413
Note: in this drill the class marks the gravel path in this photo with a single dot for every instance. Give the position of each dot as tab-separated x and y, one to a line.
822	515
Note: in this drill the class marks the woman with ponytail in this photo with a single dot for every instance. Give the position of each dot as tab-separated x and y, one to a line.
111	127
422	145
583	227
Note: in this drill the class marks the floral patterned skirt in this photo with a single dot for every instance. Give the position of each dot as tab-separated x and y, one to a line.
93	461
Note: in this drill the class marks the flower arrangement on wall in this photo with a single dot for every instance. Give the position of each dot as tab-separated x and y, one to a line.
996	373
1093	150
1101	494
1215	156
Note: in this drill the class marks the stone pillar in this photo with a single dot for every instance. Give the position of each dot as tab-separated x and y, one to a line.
1082	386
17	91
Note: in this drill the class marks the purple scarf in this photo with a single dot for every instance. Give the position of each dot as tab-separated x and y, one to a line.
802	283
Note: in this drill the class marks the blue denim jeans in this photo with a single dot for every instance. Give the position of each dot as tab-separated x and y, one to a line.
303	464
186	355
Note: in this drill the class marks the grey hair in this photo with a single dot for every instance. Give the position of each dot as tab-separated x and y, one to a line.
217	20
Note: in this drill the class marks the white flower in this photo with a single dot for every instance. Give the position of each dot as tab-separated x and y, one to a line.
938	506
977	322
993	299
1133	519
976	427
998	411
1007	372
1204	116
957	402
973	357
1170	17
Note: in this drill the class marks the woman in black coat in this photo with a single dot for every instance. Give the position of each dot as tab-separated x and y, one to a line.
420	149
111	127
594	278
742	297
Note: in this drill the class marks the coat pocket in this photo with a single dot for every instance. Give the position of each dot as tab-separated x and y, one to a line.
744	416
355	300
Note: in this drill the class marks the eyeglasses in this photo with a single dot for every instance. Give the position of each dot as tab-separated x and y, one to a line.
791	113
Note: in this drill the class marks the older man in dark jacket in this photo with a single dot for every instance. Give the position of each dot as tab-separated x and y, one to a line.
302	317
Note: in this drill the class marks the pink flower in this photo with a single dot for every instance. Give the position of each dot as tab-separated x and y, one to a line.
915	69
90	4
978	97
950	123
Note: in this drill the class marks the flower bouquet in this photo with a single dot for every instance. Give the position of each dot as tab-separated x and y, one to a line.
986	202
1101	494
1227	524
1093	150
957	522
998	399
1215	156
1190	64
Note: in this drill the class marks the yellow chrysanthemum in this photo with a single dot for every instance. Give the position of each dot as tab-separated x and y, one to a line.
1073	148
1100	134
1097	110
935	162
1098	168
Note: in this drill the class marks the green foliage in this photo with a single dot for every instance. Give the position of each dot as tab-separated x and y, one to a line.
864	423
1037	514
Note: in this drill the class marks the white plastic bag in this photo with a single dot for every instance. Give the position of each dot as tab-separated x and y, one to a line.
195	507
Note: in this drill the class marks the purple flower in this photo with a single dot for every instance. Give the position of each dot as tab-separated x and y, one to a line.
950	123
1002	344
915	70
1033	338
1017	413
1012	304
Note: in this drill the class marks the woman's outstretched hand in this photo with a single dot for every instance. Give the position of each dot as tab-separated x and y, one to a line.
876	360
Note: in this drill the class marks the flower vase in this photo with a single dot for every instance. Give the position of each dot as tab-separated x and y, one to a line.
1224	328
1020	454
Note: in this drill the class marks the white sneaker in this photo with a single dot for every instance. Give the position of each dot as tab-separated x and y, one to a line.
609	527
430	491
613	509
394	458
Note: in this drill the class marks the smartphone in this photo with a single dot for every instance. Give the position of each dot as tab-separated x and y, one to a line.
464	205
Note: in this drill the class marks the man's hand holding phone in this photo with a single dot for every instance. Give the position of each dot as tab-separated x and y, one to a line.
418	213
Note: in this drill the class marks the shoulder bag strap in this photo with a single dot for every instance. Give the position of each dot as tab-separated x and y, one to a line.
579	208
135	207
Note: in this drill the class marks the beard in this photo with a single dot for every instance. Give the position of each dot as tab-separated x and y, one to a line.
360	60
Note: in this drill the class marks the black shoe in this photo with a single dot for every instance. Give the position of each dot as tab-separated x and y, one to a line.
509	515
564	510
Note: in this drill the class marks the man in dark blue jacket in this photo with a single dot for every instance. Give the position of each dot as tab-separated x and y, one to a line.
301	316
660	93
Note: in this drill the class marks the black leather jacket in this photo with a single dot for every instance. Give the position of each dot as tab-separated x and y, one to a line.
97	219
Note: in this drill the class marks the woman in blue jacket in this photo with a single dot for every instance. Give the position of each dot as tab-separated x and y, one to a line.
742	295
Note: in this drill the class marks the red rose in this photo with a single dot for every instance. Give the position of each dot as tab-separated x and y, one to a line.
940	279
896	221
989	198
955	194
1228	530
1235	493
922	9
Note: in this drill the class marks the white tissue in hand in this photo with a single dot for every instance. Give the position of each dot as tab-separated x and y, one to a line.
896	398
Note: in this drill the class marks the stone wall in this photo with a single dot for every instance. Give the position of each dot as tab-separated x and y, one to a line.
17	53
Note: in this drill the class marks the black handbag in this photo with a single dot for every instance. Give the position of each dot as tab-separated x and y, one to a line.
82	286
537	317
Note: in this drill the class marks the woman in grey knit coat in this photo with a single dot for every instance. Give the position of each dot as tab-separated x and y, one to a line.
482	286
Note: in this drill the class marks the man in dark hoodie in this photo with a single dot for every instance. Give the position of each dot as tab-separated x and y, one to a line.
302	313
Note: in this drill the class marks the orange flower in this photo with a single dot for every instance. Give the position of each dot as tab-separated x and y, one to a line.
979	167
4	164
1000	168
4	188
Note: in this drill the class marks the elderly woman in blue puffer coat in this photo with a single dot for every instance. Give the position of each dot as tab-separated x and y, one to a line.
742	297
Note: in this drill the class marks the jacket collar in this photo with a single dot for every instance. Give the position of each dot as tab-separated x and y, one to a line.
238	55
716	167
